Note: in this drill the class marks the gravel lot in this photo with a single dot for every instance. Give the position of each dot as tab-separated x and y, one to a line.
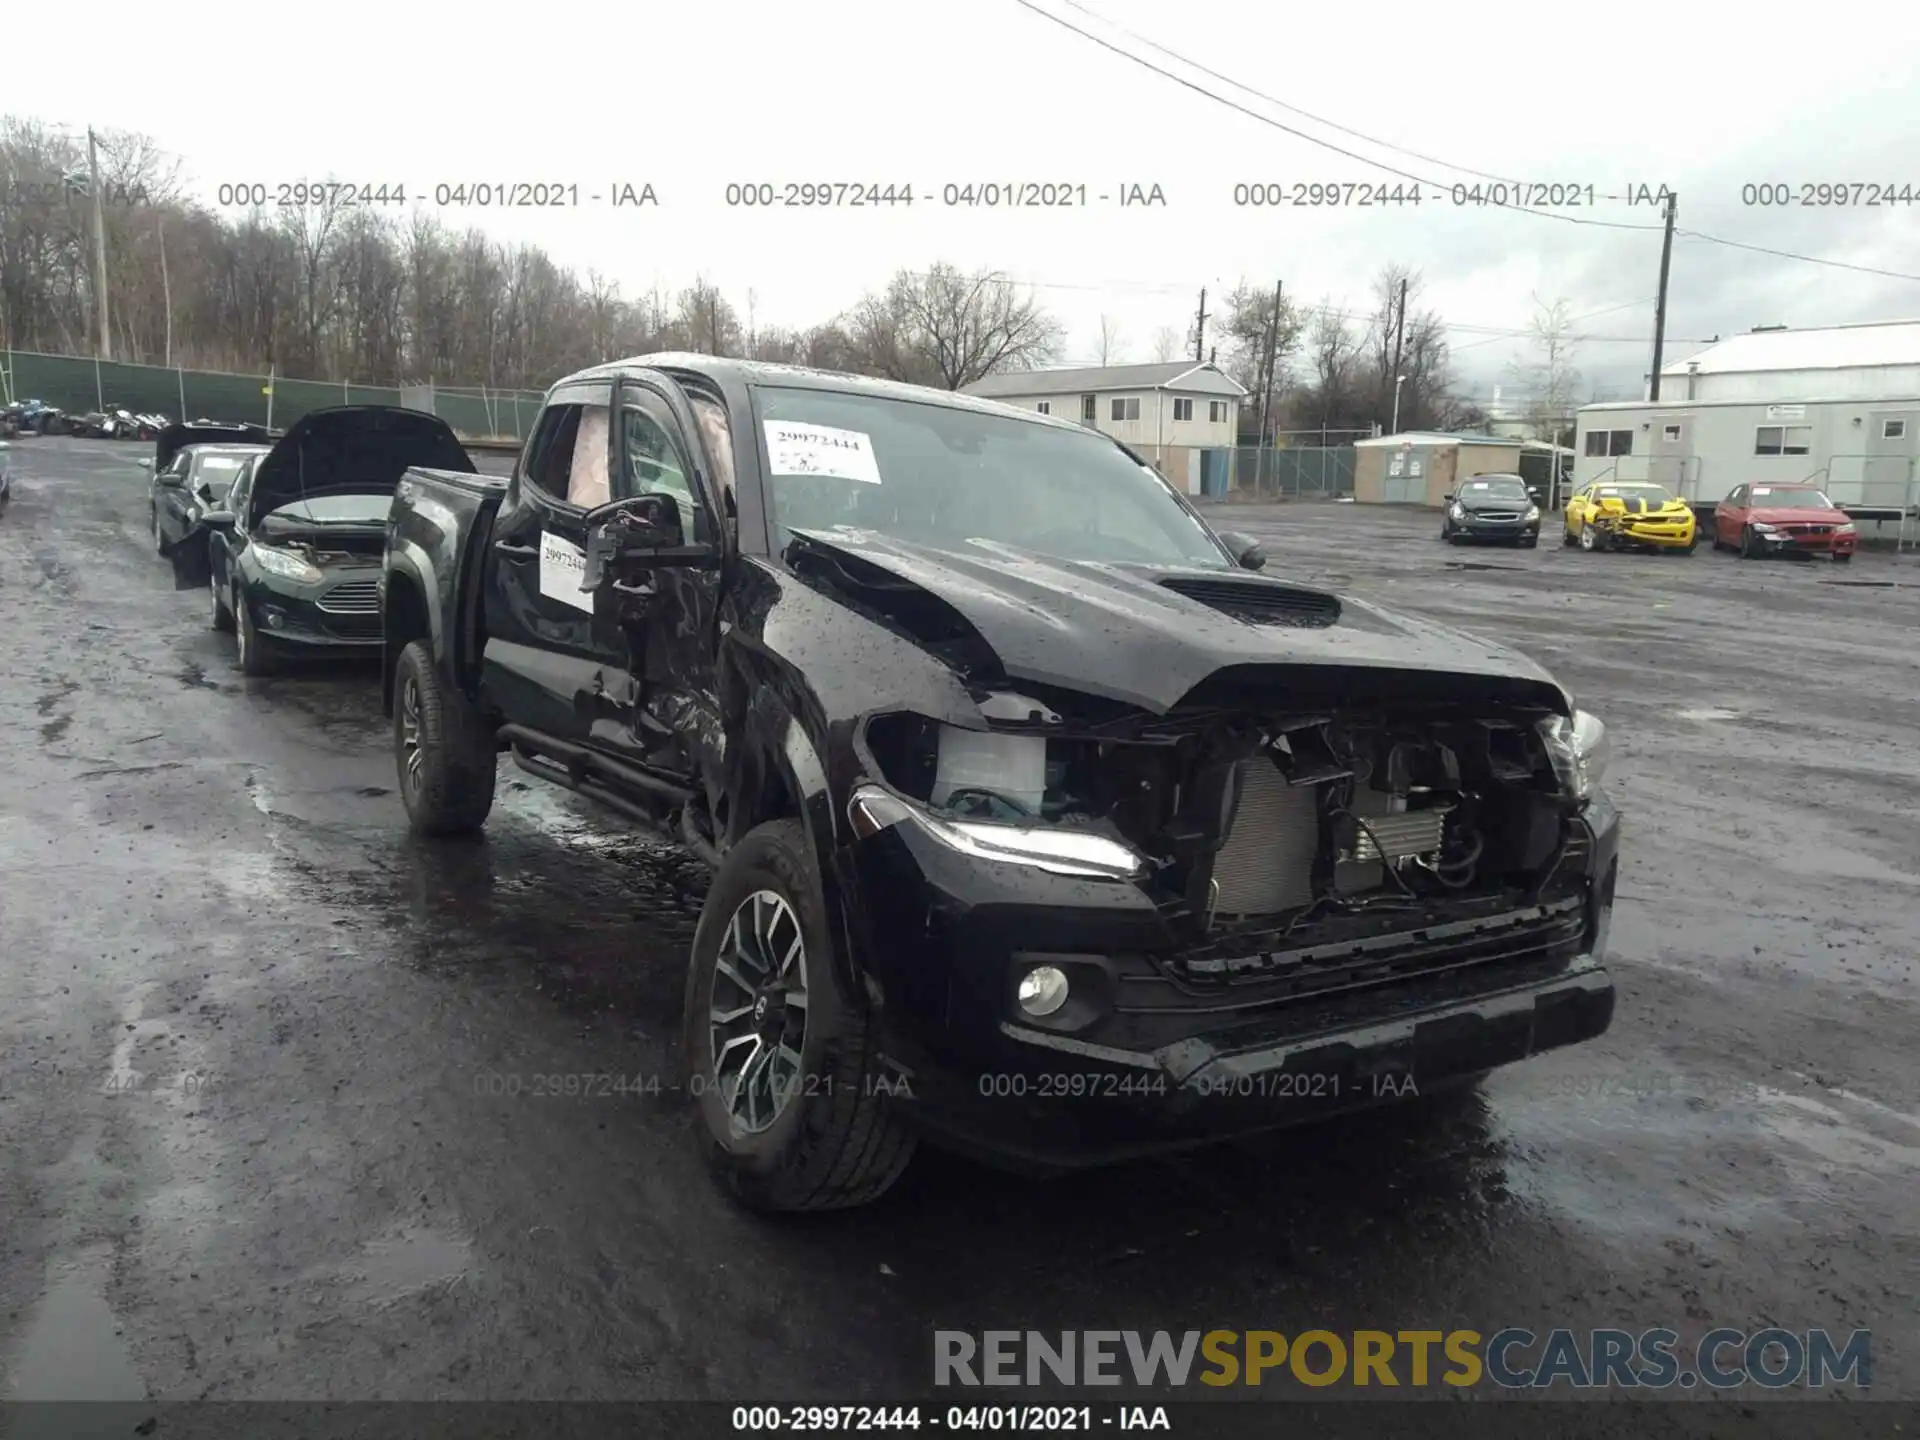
210	876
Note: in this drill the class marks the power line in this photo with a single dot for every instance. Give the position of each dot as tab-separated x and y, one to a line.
1271	100
1795	255
1301	134
1408	174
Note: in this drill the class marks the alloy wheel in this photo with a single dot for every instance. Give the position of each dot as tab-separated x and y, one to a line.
1586	537
412	755
757	1011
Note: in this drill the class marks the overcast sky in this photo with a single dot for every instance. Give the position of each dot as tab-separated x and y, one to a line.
689	98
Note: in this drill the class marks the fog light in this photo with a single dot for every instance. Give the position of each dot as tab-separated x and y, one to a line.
1043	990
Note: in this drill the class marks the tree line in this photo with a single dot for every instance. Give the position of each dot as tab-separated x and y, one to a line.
327	291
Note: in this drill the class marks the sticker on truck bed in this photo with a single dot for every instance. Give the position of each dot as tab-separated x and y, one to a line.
794	449
563	565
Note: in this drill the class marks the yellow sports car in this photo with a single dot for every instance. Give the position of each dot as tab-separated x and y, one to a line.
1629	515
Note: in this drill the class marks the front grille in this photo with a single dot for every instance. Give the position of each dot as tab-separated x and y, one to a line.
1260	602
1266	866
1501	515
352	597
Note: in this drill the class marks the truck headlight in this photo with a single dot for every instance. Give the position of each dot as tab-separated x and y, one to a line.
285	563
1041	847
1579	749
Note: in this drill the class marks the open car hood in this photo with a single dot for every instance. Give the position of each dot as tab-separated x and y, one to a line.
352	450
176	438
1148	636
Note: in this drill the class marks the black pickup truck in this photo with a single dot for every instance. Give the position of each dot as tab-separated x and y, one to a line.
1042	823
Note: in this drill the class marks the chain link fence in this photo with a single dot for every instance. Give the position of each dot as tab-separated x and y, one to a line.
77	384
1299	465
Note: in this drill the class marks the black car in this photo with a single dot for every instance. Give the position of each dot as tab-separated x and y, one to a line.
292	562
193	480
1040	824
1492	507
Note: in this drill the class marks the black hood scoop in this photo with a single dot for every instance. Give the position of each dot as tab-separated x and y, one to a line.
1261	602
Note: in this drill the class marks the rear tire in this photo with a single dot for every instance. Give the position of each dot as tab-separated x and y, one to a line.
1566	539
443	747
835	1141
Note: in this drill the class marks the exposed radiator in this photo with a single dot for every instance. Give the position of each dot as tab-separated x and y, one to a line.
1267	863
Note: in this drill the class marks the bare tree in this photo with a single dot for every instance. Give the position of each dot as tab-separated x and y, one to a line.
1247	316
1111	345
941	327
1548	378
1166	345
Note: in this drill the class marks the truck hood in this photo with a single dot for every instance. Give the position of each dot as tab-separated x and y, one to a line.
1143	635
351	450
176	438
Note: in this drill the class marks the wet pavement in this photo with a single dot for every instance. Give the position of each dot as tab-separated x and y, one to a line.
258	1135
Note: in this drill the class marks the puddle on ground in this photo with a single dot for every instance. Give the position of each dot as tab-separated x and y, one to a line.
1479	565
1706	712
410	1259
72	1349
1829	1133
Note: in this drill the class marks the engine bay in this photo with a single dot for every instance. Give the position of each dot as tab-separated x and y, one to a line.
1247	819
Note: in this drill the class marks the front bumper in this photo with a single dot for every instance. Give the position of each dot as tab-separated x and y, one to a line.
1472	527
1149	1056
1655	534
331	614
1790	542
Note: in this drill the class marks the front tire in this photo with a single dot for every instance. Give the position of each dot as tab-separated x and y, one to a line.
222	616
791	1116
1843	559
443	748
257	657
1749	547
1589	538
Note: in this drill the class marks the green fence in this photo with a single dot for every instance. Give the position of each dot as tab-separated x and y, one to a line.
75	383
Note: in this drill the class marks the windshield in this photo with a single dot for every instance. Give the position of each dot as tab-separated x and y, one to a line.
338	510
949	477
1502	487
1799	497
1653	495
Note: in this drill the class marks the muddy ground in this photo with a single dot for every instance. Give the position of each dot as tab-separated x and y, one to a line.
251	1035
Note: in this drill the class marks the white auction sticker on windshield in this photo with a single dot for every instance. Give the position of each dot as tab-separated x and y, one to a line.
794	449
563	565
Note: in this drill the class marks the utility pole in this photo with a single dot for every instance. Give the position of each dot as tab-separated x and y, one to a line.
1660	305
99	246
1266	383
166	291
1399	342
1200	329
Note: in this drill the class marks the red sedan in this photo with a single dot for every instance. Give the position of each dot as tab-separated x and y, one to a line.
1768	519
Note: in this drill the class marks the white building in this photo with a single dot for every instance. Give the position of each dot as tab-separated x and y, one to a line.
1183	416
1839	407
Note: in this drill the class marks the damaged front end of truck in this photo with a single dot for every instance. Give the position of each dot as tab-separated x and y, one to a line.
1217	897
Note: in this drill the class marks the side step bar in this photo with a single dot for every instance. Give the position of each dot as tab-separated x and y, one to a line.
609	782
